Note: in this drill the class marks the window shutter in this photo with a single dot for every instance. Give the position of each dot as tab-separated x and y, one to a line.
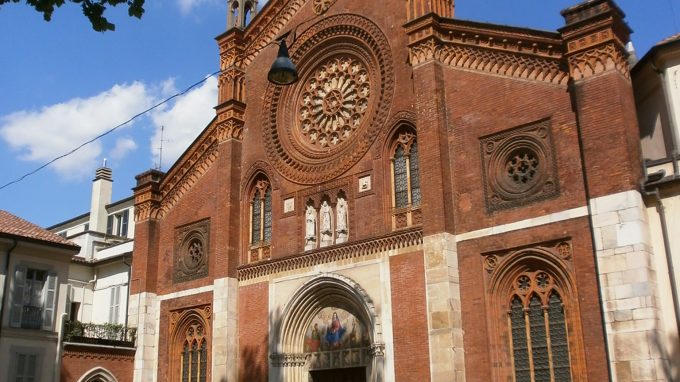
49	301
115	303
109	225
124	224
18	297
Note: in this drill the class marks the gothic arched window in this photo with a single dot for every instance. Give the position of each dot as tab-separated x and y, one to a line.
194	355
260	220
406	194
261	214
538	330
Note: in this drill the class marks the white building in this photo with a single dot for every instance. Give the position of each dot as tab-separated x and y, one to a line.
656	83
34	292
99	274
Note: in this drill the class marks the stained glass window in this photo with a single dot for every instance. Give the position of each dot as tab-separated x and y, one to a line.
558	339
539	334
519	341
194	356
204	361
539	344
415	174
400	179
185	363
268	215
255	220
194	362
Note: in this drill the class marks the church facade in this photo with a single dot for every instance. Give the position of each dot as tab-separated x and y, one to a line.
433	200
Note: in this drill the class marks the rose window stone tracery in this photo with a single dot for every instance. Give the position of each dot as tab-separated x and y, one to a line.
317	129
519	166
191	251
522	167
334	102
194	254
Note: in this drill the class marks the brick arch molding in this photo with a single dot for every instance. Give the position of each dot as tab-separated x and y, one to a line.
98	372
325	290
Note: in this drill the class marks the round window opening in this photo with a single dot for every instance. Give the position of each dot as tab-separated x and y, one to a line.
319	128
193	256
333	102
518	169
522	168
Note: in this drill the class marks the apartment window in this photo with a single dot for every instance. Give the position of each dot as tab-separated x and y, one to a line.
25	367
73	311
109	225
117	224
122	223
114	310
33	299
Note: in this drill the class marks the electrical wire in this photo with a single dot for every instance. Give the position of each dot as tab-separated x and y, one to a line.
111	130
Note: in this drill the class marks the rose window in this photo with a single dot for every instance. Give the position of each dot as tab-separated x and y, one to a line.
194	254
333	102
522	167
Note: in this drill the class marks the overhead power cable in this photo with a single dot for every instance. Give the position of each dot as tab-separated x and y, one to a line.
111	130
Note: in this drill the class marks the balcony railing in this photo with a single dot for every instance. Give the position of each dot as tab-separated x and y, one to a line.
100	334
31	317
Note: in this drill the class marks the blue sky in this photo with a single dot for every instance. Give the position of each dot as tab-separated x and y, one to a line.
62	84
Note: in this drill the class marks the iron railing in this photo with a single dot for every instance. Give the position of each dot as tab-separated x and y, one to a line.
31	317
99	334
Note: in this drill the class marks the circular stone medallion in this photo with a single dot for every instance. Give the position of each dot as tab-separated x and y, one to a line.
320	127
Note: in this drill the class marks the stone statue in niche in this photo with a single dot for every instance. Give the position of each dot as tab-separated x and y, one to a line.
341	221
326	213
310	228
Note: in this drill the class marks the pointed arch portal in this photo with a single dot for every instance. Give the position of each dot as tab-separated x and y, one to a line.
329	329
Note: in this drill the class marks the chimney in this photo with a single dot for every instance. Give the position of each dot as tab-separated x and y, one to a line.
102	186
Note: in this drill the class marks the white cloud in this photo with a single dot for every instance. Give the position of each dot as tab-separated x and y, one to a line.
41	135
186	6
122	147
183	121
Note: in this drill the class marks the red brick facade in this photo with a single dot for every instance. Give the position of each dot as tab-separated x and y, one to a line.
511	124
411	354
87	362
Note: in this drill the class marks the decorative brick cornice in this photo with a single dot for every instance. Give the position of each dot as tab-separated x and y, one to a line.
230	120
98	353
500	50
597	60
392	241
147	195
595	38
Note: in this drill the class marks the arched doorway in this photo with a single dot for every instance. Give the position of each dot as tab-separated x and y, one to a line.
329	332
98	374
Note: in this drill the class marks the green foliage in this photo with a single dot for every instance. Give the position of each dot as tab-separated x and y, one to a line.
92	9
79	331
